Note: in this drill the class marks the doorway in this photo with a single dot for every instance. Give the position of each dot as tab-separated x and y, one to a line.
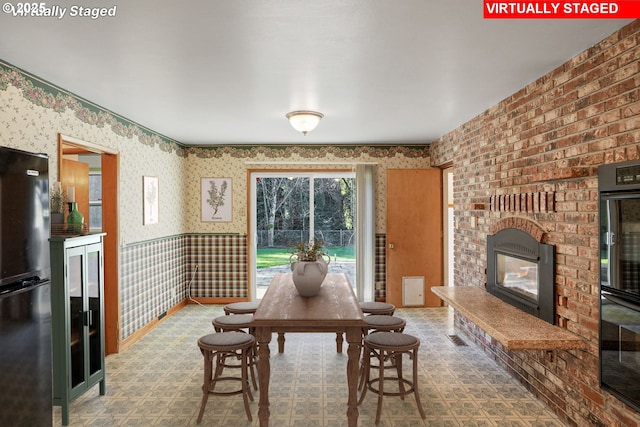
106	209
289	207
448	220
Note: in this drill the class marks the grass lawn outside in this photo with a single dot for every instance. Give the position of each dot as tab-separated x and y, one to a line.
271	257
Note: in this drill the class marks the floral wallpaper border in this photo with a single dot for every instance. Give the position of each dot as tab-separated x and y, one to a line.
47	95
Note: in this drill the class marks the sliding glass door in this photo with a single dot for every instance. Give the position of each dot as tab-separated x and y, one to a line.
292	207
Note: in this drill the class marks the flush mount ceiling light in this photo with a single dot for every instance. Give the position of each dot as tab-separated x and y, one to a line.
304	121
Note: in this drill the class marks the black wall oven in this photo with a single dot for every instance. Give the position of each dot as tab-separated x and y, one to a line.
619	212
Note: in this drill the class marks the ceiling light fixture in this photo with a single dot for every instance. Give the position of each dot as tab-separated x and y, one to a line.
304	121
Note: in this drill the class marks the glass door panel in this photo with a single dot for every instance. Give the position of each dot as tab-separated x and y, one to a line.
93	316
76	298
293	207
335	222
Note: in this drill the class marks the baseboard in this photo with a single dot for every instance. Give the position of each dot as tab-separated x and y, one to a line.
210	300
149	326
124	344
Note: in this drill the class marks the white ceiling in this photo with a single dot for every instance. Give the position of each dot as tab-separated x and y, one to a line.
227	71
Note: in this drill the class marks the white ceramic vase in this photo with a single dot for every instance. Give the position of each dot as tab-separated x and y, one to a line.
309	275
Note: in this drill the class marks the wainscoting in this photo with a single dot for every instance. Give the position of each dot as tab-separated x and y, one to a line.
158	275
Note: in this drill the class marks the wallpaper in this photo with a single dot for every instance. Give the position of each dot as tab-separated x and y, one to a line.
33	112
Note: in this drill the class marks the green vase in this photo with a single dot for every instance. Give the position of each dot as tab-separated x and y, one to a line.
75	219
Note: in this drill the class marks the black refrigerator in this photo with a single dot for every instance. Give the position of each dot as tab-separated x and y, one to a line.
25	301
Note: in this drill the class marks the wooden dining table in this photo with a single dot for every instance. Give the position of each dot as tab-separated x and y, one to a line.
334	309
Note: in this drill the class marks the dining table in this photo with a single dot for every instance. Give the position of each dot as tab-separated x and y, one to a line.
334	309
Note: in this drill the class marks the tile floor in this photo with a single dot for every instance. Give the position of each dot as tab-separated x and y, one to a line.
156	382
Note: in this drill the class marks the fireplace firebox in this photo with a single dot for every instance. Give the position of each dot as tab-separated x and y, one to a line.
520	271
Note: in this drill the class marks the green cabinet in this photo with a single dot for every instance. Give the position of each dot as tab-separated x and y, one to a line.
77	276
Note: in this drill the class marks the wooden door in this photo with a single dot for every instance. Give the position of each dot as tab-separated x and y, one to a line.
414	231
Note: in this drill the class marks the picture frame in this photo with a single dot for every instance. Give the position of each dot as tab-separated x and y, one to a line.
216	199
150	200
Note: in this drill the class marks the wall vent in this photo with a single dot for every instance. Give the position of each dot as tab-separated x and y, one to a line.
456	340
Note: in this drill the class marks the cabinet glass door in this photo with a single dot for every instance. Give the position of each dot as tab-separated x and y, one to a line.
93	292
76	314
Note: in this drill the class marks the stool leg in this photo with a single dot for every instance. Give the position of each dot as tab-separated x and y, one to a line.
254	359
361	382
381	386
363	368
397	359
366	356
252	362
415	383
247	364
220	361
208	362
246	390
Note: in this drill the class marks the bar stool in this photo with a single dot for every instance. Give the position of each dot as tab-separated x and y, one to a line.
370	308
375	307
383	323
220	346
250	307
242	307
379	323
239	323
382	345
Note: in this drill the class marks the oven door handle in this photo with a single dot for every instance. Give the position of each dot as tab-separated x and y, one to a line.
610	238
621	301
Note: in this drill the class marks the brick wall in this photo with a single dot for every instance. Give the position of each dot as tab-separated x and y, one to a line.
549	138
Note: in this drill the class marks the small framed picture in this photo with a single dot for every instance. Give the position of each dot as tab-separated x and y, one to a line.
216	199
150	200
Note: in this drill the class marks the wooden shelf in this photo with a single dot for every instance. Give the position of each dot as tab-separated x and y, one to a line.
511	327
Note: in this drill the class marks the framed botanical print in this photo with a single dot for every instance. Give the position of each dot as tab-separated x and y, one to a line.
216	202
150	203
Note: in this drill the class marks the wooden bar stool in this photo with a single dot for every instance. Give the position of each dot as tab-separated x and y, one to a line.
239	323
219	347
375	307
383	345
250	307
370	308
379	323
384	323
242	307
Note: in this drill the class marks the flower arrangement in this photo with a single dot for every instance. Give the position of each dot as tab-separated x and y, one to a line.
310	251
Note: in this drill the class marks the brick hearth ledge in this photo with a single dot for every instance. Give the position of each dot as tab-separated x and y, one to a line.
511	327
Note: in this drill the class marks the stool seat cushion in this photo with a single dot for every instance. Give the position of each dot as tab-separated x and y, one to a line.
388	339
382	320
235	320
242	307
226	339
370	306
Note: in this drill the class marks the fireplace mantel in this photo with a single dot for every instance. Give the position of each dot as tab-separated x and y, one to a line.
511	327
